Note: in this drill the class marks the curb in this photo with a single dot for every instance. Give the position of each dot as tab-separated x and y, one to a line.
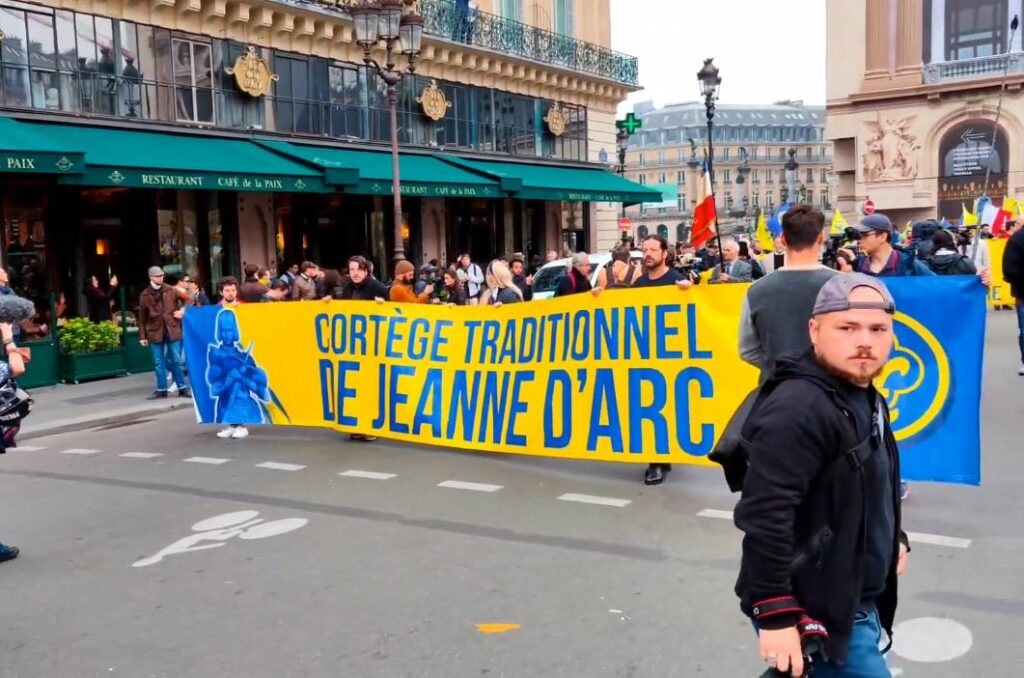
88	422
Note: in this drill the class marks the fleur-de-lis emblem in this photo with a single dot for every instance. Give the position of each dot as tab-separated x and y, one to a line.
63	164
116	177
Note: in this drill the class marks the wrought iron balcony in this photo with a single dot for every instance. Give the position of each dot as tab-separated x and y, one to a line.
972	69
446	20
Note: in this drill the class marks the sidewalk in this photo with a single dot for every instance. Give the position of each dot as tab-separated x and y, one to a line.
73	407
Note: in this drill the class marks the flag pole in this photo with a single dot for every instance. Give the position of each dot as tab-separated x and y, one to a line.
710	107
999	110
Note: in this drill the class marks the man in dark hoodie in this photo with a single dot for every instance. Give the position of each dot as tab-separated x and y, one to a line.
1013	273
820	509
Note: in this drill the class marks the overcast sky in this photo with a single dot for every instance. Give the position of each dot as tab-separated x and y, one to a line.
766	51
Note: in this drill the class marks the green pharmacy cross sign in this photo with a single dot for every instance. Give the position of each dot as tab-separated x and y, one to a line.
631	124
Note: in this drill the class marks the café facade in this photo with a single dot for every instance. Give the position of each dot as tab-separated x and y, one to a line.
202	136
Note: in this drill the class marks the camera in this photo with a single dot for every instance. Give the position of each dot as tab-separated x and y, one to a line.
688	264
832	254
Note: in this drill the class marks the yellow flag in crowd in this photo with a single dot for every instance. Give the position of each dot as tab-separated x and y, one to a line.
763	235
1013	207
838	224
968	218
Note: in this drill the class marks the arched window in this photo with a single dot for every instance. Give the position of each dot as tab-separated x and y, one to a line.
663	231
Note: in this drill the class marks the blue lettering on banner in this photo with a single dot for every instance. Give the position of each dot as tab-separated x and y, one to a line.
606	335
463	404
508	345
560	377
472	326
581	335
665	330
377	320
440	340
694	448
638	333
320	322
494	404
489	342
394	336
327	387
652	412
527	337
431	396
517	407
605	401
418	344
691	330
397	397
344	367
358	337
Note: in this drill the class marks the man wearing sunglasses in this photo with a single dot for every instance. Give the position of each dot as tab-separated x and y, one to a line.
877	256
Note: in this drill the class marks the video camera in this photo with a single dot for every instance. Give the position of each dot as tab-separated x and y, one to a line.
836	242
689	265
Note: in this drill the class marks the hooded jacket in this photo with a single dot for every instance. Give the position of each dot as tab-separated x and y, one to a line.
804	519
948	262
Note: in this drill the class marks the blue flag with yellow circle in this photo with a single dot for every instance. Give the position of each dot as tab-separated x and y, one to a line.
933	379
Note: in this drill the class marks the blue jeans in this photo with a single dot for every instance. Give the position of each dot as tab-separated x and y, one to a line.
1020	326
168	355
863	659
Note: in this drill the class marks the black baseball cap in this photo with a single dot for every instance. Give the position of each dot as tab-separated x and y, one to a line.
834	296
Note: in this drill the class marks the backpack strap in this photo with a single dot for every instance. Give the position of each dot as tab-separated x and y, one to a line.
855	458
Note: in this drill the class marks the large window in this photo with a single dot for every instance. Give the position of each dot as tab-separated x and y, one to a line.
975	28
193	80
512	9
564	17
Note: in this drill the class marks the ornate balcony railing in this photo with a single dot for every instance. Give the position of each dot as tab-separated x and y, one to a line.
971	69
445	19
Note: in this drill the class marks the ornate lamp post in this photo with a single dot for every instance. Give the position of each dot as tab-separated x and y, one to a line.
710	82
791	168
626	128
386	21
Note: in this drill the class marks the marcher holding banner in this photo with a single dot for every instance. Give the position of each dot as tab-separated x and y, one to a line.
657	273
820	512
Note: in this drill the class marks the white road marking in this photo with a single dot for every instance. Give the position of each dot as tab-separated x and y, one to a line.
29	448
939	540
916	537
600	501
277	466
141	455
78	450
931	640
715	513
207	460
473	487
369	475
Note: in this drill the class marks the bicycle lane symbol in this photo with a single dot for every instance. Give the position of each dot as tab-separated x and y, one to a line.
215	532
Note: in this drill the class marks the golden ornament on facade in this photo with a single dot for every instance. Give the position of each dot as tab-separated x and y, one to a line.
556	120
433	102
252	73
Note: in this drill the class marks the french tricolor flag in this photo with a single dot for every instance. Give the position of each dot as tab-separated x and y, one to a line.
705	218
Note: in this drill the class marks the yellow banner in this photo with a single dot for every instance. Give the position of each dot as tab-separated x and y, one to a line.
999	292
627	376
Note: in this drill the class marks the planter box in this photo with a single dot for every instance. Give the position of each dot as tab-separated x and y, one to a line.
42	370
138	359
76	367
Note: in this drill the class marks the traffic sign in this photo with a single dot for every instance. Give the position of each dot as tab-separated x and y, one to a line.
625	224
869	207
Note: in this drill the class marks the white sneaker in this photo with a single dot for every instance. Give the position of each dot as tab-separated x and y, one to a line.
240	432
225	432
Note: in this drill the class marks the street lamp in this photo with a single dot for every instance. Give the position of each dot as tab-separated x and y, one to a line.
386	21
710	82
622	142
791	168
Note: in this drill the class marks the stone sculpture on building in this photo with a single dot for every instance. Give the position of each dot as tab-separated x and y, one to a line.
890	150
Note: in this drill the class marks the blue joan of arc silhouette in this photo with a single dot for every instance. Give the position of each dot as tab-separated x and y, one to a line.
238	385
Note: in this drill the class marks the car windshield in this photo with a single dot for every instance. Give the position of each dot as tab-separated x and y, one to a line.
547	278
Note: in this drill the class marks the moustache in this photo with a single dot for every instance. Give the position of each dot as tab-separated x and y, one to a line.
863	355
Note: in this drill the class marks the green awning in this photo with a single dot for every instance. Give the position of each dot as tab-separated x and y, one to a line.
363	172
140	159
24	150
554	182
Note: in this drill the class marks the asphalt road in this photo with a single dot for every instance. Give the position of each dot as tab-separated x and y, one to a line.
387	572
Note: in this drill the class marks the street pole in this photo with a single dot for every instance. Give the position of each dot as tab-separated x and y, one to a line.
396	183
709	111
999	106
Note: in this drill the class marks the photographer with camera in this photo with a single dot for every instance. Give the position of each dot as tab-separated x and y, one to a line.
945	259
877	256
688	262
818	466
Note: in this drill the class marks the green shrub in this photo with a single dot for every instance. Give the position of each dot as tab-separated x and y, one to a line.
80	335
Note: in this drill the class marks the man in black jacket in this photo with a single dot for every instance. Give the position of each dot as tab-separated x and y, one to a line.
820	509
1013	273
361	283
